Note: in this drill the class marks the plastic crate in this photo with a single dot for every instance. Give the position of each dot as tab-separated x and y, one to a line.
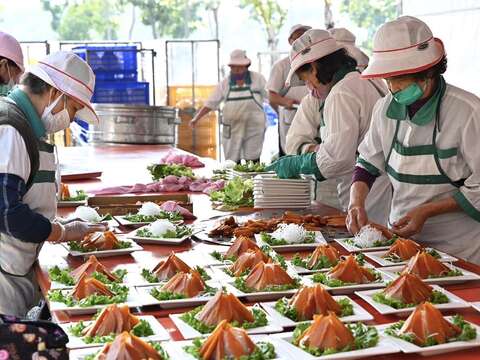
115	75
121	92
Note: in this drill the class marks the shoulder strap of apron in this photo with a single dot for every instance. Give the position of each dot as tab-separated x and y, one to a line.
380	91
31	143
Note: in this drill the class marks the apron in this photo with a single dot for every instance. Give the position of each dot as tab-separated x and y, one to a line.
243	124
18	287
417	177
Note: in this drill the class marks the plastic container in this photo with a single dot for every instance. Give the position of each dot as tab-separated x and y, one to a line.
121	92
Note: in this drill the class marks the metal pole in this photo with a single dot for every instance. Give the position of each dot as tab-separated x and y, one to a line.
166	77
220	114
194	132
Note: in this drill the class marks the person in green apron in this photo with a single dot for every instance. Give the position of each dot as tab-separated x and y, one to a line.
342	104
242	94
424	135
48	98
11	63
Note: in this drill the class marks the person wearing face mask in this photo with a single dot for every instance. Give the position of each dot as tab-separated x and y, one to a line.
345	103
285	99
11	63
242	93
424	135
48	98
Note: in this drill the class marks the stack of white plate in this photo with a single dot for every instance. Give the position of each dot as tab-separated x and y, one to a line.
247	175
272	193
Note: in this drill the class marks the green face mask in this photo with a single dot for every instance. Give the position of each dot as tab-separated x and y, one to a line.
408	95
5	89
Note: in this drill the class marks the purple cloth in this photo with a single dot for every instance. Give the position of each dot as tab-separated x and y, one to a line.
360	174
417	105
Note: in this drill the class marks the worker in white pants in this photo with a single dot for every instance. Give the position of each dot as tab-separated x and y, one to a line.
243	126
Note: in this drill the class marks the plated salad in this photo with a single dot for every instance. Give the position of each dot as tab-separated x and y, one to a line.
164	229
236	193
160	171
150	212
287	234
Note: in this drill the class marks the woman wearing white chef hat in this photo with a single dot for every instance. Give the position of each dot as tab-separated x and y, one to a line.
48	98
244	123
424	135
344	103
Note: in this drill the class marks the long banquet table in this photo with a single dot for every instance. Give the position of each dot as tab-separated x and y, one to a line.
126	164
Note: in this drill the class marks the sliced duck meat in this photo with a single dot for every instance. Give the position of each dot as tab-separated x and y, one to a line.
224	306
87	286
350	271
403	248
227	342
311	300
323	251
326	332
100	241
426	322
240	245
167	268
114	319
247	261
425	265
89	267
267	274
188	284
128	347
409	289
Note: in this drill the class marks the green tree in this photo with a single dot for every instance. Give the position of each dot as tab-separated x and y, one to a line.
175	18
271	15
85	19
370	14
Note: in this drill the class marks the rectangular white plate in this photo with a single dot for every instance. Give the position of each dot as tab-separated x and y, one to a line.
348	289
159	333
455	302
353	248
81	354
259	296
68	203
138	280
384	346
163	241
124	222
175	348
319	240
476	305
359	313
106	253
409	348
147	299
377	256
133	300
189	332
303	271
391	272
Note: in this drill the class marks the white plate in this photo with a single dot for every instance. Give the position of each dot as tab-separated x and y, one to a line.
359	313
260	295
319	240
161	241
384	346
353	248
476	305
410	348
68	203
138	280
303	271
377	256
175	348
81	354
273	178
147	299
106	253
133	300
159	333
391	272
189	332
348	289
124	222
455	302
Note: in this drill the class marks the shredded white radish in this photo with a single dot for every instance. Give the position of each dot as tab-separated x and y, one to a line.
149	209
291	233
87	213
367	236
160	227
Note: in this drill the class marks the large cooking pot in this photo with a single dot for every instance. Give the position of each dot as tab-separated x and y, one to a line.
136	124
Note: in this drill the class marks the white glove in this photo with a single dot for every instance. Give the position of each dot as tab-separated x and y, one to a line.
77	230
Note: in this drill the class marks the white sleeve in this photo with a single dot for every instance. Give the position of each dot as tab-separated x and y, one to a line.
337	152
218	95
304	127
14	158
371	155
260	85
276	81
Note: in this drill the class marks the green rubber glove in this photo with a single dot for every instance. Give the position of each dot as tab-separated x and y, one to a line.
291	166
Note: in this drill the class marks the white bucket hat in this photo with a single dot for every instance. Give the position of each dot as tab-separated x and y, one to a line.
70	74
346	38
10	49
239	57
314	44
403	46
297	27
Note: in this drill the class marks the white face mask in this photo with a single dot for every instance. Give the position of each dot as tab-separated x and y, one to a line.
56	122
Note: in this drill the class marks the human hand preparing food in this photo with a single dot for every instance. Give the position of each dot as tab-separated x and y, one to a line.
412	223
74	231
291	166
356	218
